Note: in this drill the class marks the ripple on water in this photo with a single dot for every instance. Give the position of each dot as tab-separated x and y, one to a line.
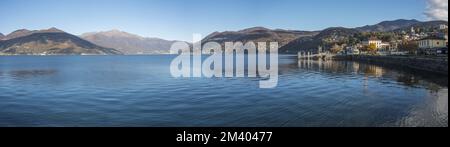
139	91
31	73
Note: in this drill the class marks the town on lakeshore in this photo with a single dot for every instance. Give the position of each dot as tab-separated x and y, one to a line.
413	41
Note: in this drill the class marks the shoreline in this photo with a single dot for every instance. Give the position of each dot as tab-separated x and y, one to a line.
433	64
437	65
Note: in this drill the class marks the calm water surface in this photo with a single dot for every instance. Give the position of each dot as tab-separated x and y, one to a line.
139	91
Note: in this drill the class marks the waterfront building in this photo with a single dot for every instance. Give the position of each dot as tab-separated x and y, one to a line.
432	45
431	42
373	40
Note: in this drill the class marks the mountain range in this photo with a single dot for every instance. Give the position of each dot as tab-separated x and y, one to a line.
292	41
386	26
129	43
49	41
25	32
55	41
258	34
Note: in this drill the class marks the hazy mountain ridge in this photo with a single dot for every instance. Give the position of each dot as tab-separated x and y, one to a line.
50	41
129	43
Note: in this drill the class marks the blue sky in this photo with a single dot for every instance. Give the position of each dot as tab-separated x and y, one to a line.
179	19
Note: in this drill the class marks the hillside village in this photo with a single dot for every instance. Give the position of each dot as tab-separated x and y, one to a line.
418	41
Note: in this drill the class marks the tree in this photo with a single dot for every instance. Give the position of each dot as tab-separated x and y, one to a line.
336	49
410	46
372	48
387	37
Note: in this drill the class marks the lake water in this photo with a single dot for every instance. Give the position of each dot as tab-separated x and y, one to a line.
139	91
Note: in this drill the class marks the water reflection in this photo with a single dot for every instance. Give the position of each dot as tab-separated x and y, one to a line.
23	74
432	111
342	67
405	76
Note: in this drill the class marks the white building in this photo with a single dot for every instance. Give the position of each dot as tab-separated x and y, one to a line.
378	43
432	42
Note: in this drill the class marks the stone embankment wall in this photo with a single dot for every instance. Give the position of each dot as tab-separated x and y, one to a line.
431	64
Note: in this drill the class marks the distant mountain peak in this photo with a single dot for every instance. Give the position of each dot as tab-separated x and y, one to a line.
129	43
49	41
26	32
255	29
54	29
116	30
336	28
118	33
51	30
18	33
113	32
399	22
